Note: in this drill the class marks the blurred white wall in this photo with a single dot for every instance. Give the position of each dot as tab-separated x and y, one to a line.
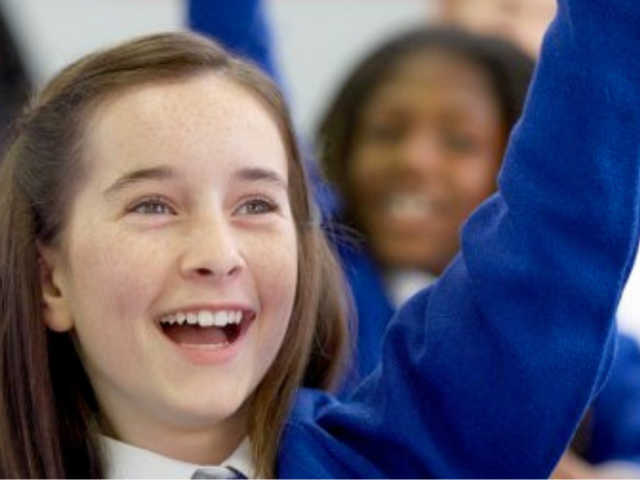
52	33
316	39
629	311
318	42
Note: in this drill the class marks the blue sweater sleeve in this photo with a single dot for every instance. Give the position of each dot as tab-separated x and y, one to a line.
488	373
241	25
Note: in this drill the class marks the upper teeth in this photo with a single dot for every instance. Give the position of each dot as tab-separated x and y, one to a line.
204	318
408	205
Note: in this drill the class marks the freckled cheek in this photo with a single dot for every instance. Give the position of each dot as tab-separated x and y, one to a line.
120	282
366	168
281	282
275	265
475	185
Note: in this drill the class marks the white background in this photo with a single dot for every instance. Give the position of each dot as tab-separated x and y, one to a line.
316	40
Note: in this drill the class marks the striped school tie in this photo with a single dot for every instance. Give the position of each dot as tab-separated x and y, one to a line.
217	472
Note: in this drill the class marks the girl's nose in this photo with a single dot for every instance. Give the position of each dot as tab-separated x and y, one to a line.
420	154
212	252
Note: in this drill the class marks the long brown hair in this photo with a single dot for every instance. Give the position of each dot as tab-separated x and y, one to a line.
47	409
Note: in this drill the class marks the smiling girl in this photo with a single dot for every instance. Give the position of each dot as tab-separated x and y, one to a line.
165	286
170	236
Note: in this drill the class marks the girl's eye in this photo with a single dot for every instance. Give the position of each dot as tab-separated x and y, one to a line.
383	133
460	143
152	206
257	207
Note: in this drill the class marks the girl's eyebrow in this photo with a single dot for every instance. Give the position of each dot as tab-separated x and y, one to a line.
154	173
257	174
164	172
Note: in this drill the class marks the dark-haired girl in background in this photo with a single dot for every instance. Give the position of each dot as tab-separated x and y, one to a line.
413	142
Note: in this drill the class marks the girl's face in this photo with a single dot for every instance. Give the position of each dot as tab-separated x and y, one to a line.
178	268
426	153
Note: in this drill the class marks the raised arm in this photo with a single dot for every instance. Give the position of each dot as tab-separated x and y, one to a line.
488	373
240	25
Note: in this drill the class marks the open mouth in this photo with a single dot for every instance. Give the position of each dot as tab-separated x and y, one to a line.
409	207
206	329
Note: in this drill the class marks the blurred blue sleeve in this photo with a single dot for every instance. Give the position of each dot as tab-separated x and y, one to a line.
242	26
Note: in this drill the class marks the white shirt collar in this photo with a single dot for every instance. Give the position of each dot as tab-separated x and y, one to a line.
126	461
402	284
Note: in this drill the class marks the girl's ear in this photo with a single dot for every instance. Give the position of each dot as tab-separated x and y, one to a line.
57	316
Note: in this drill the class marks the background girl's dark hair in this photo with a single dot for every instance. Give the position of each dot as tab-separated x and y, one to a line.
47	411
15	84
508	68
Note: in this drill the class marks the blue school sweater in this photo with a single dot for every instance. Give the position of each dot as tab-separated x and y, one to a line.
611	430
488	372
